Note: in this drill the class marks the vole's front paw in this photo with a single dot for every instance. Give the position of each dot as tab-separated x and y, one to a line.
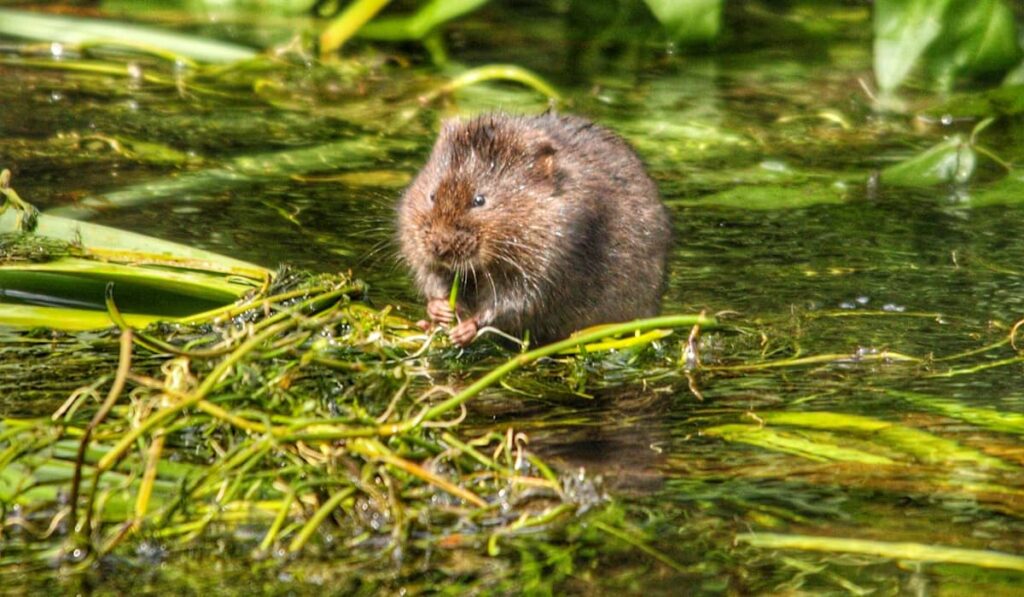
464	333
439	311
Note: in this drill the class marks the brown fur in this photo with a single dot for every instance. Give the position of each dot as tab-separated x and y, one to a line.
572	232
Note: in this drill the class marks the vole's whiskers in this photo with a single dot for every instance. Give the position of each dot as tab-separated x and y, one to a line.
494	288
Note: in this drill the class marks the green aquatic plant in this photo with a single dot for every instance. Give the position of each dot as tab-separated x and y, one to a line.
914	552
689	21
988	418
54	272
76	31
949	39
953	160
950	161
1009	190
420	24
771	197
274	451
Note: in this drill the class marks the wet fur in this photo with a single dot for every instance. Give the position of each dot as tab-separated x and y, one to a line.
572	233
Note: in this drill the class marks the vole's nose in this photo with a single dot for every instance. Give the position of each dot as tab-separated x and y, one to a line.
442	249
449	246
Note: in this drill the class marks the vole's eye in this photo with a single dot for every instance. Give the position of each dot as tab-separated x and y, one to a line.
479	200
433	196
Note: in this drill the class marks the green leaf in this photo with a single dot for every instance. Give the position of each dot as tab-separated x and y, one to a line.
920	444
1006	422
1015	77
903	31
417	25
72	30
950	38
821	436
689	21
901	551
76	275
113	242
68	320
154	279
817	447
953	160
1007	191
979	38
769	197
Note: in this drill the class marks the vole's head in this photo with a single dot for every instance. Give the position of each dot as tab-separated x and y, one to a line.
487	197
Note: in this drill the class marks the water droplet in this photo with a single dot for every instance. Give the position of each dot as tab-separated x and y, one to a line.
946	120
56	96
57	50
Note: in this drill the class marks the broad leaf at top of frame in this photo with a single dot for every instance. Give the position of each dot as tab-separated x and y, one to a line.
949	39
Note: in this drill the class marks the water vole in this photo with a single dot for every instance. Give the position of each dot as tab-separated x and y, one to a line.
551	222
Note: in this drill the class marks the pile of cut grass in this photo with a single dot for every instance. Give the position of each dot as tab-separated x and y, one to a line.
299	419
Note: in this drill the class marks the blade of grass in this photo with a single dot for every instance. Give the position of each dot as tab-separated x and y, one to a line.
641	545
306	532
74	30
793	443
495	72
897	550
1006	422
129	247
924	446
123	366
71	320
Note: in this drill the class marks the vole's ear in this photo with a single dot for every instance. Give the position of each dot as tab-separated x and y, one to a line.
544	158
